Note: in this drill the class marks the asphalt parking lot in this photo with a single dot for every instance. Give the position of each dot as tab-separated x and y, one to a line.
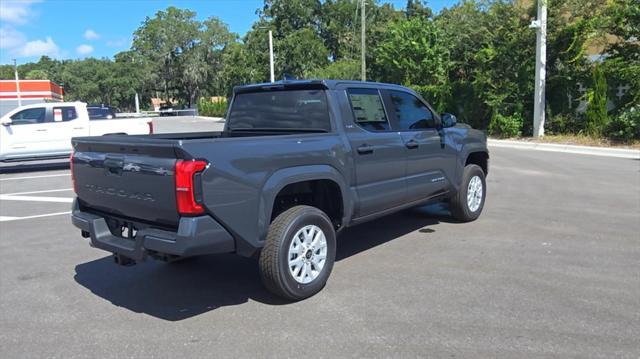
551	269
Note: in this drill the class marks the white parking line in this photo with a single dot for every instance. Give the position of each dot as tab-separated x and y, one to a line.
33	192
31	177
7	218
5	197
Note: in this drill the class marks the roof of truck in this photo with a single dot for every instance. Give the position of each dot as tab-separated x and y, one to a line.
327	84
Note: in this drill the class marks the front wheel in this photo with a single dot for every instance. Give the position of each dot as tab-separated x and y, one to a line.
299	252
467	204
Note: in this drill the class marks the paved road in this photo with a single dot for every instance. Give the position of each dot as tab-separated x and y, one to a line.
551	269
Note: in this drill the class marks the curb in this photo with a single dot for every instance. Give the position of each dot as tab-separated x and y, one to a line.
553	147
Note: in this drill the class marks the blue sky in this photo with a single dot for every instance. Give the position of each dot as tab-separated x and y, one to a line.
75	29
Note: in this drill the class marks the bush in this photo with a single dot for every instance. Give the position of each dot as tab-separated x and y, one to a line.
596	113
212	108
505	126
561	124
626	126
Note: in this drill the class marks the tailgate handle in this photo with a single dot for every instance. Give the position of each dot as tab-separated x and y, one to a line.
114	165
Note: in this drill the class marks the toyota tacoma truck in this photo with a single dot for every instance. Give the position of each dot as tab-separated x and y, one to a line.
296	163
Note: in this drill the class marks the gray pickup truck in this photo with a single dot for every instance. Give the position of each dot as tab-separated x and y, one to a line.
297	162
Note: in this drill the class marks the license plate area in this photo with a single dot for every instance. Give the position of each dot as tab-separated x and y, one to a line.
122	229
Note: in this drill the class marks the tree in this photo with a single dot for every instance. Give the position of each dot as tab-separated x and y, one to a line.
6	72
288	16
413	53
300	53
339	22
596	115
342	69
621	20
181	53
417	8
37	75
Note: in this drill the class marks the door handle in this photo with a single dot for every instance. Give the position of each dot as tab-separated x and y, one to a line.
412	144
365	149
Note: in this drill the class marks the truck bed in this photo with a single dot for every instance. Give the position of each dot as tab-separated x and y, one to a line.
133	176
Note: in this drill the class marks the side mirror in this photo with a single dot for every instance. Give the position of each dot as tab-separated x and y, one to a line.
6	121
448	120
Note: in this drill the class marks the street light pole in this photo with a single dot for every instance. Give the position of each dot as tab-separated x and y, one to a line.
363	66
273	78
541	69
15	69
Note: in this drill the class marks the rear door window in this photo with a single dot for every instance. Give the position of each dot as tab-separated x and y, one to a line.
66	113
368	109
29	116
280	110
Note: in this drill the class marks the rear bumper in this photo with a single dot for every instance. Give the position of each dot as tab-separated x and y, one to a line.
195	236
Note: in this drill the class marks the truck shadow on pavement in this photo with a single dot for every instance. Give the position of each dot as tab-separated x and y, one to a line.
183	289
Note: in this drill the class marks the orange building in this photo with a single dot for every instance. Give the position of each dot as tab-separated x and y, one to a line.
31	91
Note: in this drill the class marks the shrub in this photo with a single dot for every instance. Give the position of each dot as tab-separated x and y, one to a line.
212	108
562	124
505	126
596	113
626	126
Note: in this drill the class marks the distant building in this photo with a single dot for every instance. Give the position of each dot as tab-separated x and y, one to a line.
31	91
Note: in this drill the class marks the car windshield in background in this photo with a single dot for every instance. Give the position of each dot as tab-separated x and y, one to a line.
280	110
100	113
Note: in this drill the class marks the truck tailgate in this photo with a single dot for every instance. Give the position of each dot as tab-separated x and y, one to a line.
131	179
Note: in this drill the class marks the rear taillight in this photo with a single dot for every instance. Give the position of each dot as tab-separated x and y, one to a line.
150	124
73	176
185	193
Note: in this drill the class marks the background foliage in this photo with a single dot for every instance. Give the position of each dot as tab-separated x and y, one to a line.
475	59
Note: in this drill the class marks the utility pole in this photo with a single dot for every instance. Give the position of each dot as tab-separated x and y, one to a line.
15	69
541	69
273	77
363	66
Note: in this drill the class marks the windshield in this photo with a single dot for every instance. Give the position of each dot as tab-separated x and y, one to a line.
286	110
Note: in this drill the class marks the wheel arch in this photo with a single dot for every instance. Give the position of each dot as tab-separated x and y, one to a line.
480	158
279	181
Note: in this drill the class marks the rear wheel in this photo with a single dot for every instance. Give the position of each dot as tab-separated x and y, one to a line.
299	252
467	204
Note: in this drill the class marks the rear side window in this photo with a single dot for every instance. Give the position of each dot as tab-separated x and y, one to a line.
100	113
29	116
412	114
67	113
289	109
368	109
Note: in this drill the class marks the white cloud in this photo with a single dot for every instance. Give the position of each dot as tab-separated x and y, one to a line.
11	38
16	12
91	35
39	48
84	49
14	43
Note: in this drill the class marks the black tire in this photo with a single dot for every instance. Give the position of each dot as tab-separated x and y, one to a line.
274	258
458	203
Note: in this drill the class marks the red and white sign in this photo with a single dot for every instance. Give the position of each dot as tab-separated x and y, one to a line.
57	114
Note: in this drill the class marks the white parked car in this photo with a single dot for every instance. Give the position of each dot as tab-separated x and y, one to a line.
46	129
